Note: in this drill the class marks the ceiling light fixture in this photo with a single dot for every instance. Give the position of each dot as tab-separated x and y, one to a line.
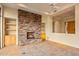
53	8
47	13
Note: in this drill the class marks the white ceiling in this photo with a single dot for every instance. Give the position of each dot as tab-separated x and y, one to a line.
40	8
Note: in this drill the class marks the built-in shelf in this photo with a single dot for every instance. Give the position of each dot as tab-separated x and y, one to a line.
10	26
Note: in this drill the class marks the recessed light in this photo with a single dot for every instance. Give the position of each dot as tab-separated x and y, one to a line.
46	13
22	5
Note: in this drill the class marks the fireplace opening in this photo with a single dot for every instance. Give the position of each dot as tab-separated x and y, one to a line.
30	35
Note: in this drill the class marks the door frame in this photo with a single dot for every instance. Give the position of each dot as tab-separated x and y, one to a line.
1	26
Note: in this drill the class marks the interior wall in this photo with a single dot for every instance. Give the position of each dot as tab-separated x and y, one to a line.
77	22
57	27
10	12
28	22
62	27
64	38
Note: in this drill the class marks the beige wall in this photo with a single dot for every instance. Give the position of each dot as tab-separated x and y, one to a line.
10	13
64	38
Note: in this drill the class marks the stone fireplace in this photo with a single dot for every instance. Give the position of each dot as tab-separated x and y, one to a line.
29	26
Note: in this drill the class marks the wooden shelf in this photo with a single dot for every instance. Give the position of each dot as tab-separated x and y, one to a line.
10	30
10	26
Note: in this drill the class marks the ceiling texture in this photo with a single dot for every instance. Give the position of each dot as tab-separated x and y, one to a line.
40	8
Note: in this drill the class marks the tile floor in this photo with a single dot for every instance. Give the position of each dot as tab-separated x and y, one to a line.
46	48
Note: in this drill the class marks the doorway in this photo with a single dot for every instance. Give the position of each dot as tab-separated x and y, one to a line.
71	27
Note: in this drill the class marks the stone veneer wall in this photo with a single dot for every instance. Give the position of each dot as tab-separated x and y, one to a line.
28	22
